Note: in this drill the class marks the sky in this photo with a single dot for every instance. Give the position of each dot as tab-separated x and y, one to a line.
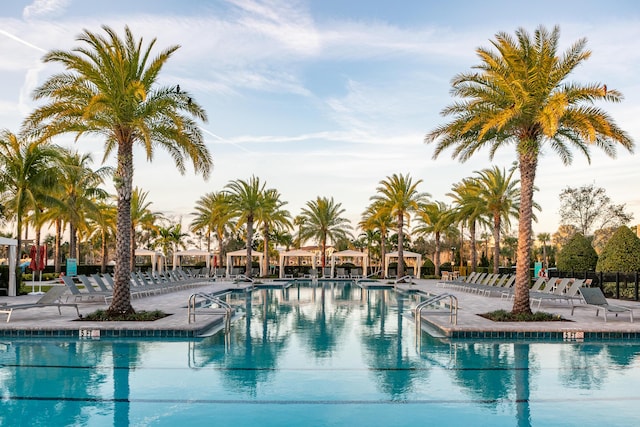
329	97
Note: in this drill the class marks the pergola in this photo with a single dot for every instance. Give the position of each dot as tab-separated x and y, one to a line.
192	253
157	258
405	255
349	254
297	253
242	253
13	253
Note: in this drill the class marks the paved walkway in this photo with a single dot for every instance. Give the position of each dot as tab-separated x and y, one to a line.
175	303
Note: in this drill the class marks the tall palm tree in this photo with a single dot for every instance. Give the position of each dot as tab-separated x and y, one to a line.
299	222
544	238
324	222
519	95
109	87
500	195
434	218
27	175
142	219
103	222
469	208
273	217
79	191
246	198
399	194
377	217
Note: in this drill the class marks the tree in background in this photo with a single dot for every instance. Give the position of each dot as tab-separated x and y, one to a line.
544	239
246	199
589	208
621	253
324	222
27	176
577	255
399	195
434	218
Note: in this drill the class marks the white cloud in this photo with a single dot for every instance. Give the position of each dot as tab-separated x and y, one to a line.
45	8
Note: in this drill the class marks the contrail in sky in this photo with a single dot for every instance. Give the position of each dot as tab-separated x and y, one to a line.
24	42
225	140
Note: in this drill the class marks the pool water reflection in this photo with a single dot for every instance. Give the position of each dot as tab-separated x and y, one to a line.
316	356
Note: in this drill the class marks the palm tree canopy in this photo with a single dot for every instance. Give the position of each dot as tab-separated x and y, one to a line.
520	96
399	194
109	89
324	222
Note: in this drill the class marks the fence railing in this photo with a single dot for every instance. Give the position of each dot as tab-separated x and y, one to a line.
614	285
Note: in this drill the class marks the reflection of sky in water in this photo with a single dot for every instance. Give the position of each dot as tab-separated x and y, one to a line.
327	357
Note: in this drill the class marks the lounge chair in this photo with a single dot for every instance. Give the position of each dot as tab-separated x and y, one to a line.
78	295
594	298
50	299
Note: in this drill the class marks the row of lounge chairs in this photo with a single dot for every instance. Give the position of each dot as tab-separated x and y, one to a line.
482	283
101	287
575	292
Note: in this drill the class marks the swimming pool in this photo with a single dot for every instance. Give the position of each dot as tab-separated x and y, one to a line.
318	356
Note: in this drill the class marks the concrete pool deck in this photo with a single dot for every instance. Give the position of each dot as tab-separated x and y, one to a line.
45	321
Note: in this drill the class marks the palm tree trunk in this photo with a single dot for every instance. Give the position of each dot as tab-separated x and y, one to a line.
132	245
123	180
103	252
266	249
528	164
496	241
400	245
249	243
383	251
474	253
72	241
56	251
436	258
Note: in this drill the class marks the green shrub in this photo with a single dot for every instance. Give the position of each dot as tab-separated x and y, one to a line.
428	267
577	255
621	253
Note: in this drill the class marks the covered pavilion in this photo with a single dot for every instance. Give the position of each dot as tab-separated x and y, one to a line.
11	260
158	260
297	253
192	253
349	254
242	253
405	254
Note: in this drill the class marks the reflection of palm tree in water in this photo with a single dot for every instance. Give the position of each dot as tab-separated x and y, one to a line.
521	375
387	357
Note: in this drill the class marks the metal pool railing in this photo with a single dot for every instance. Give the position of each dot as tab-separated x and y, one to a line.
453	310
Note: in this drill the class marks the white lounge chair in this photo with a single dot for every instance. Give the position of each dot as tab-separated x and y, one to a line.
594	298
50	299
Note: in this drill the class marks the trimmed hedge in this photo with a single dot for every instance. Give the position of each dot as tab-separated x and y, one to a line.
621	253
577	255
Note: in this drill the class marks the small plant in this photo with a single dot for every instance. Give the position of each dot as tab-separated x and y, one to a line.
507	316
140	316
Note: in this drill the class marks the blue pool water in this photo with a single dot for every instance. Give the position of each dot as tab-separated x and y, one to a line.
333	356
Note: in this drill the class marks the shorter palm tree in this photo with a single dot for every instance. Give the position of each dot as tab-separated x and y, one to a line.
324	222
399	195
246	198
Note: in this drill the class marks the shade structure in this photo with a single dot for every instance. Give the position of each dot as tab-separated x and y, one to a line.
177	256
242	253
297	253
13	254
157	258
405	255
349	254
